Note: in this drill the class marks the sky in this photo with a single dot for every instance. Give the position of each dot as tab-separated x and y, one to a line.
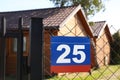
15	5
111	15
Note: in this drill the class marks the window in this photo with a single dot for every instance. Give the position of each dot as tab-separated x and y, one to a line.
24	44
15	44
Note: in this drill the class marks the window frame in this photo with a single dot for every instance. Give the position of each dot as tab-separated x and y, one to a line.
11	40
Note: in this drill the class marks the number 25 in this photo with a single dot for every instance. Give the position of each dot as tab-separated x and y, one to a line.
64	59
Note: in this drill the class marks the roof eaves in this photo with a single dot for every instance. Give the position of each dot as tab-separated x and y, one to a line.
108	33
86	20
51	27
85	23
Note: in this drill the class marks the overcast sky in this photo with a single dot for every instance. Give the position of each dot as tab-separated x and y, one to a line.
111	14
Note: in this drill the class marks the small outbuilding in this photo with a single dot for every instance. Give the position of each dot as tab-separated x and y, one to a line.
102	38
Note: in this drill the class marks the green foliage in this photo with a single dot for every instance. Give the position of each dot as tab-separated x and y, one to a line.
91	23
115	49
90	6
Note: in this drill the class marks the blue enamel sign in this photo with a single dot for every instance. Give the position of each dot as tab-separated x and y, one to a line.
70	52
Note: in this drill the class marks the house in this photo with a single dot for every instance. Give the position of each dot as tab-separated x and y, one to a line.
102	39
66	21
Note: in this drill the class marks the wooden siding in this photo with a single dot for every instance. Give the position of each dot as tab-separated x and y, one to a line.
11	60
46	49
73	27
103	50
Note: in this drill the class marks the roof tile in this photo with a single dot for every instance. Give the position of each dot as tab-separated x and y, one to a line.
51	16
97	27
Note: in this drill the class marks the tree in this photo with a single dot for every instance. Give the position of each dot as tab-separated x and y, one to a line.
89	6
115	48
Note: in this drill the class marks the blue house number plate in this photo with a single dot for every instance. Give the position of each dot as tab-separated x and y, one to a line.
70	54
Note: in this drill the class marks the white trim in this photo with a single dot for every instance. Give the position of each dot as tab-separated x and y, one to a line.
72	14
87	21
78	8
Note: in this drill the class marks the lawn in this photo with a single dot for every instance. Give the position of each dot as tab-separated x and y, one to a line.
111	72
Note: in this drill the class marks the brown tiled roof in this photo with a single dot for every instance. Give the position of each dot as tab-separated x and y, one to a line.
97	27
52	17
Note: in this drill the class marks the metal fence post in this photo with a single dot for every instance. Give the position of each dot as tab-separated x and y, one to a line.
2	49
36	32
20	51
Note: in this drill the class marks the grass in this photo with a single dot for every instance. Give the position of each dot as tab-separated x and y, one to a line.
105	73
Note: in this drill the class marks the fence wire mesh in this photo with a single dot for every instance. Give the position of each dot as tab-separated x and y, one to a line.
105	58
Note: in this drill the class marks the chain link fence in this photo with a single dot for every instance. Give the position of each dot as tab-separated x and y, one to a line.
103	66
70	21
